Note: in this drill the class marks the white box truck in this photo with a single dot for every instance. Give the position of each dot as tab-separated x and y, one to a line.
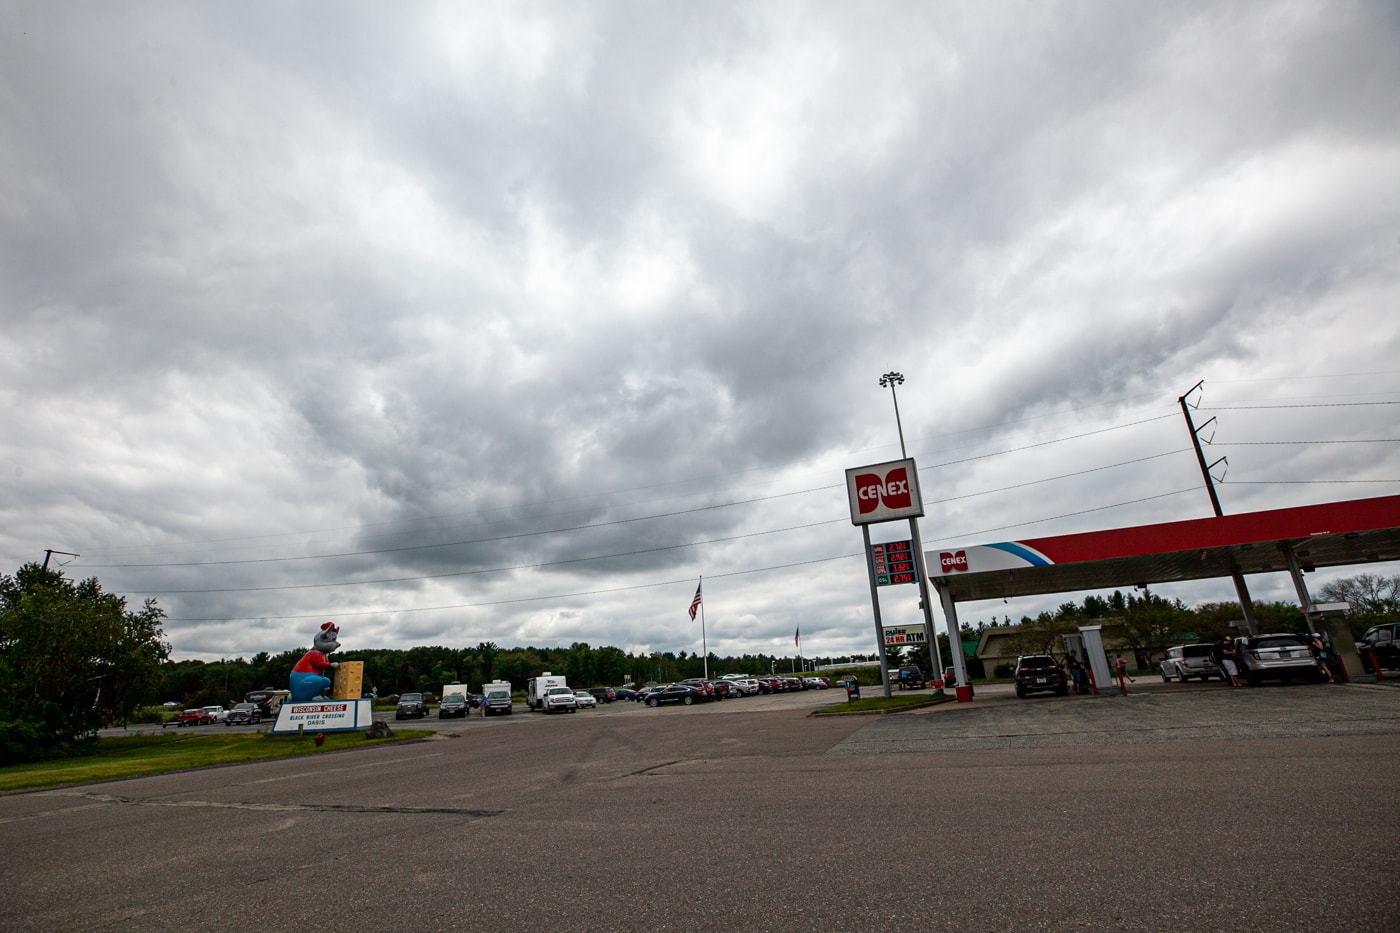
539	686
495	698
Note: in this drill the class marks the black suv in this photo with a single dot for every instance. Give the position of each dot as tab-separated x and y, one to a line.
1039	672
411	706
1383	641
453	704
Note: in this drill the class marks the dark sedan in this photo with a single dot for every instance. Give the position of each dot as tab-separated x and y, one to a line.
687	694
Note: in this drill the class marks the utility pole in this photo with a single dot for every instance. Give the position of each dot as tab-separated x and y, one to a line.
49	552
1241	589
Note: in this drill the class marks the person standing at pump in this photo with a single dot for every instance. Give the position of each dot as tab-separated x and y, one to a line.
1319	649
1123	678
1230	660
1076	672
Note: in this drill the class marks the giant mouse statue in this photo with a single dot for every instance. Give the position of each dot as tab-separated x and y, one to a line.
308	680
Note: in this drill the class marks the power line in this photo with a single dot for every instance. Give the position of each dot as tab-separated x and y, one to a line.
643	586
653	550
1306	482
1318	405
612	522
1384	372
1379	440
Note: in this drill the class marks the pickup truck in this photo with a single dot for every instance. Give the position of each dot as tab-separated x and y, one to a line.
242	713
411	706
559	699
216	713
495	699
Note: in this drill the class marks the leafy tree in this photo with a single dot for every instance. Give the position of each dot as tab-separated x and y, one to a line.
1151	623
73	659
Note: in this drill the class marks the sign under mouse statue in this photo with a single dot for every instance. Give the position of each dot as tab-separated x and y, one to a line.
320	703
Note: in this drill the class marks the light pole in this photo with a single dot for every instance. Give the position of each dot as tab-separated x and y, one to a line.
891	380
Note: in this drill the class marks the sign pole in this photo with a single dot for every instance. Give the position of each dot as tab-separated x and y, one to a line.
875	603
922	571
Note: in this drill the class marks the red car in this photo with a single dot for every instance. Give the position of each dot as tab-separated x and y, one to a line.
193	717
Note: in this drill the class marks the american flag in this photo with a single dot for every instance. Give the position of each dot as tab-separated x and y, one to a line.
695	603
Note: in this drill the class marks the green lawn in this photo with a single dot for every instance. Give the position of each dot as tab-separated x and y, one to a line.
876	704
142	755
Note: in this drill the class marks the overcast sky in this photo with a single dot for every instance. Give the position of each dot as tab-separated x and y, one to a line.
507	322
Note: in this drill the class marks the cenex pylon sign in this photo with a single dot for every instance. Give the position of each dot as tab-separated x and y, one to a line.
884	492
887	492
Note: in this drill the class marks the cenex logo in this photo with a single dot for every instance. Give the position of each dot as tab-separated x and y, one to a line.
952	560
892	492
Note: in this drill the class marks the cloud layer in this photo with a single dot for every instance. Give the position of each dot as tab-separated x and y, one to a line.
464	323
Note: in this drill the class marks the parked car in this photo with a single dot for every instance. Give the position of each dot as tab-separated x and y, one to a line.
686	694
603	694
216	713
1186	661
192	717
1039	672
1383	641
243	714
1278	655
584	699
707	692
411	706
624	693
453	704
910	677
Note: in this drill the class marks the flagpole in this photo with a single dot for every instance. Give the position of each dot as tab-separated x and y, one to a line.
704	647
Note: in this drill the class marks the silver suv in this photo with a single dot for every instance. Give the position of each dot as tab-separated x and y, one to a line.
1279	655
1186	661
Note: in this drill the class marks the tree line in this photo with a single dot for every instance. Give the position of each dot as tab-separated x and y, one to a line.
74	659
391	671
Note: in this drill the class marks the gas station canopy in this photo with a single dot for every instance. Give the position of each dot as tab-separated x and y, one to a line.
1327	535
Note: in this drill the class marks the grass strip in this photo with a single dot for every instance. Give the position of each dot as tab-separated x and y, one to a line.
121	757
882	704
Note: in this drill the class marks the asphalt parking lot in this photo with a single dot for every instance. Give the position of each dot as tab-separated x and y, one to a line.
1268	809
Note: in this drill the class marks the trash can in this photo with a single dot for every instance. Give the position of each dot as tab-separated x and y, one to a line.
964	693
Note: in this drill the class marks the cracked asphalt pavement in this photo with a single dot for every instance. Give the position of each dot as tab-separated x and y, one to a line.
1264	809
